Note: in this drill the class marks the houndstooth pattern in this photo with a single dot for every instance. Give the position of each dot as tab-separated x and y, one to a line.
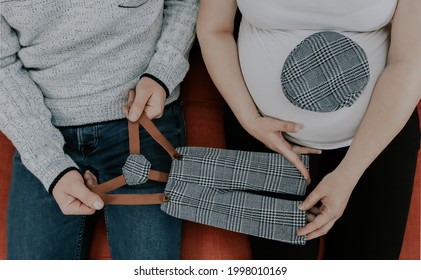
212	186
136	169
325	72
228	170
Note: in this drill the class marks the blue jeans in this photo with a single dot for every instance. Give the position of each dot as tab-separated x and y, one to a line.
37	229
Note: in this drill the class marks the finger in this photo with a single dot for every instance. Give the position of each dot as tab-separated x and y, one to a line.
314	210
88	175
70	205
90	179
321	231
76	207
132	95
298	163
305	150
319	222
286	126
88	197
136	109
90	183
126	110
152	112
155	106
311	200
310	217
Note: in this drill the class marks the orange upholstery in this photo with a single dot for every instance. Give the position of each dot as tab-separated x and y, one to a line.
6	154
411	244
203	109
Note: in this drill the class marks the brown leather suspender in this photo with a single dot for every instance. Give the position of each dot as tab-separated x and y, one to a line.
154	175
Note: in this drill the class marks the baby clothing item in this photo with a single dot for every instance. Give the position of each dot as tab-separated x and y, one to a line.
229	189
235	190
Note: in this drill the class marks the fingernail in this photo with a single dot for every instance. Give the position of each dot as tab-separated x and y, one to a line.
133	116
300	206
97	205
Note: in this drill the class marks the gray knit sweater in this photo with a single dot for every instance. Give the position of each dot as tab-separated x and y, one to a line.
72	62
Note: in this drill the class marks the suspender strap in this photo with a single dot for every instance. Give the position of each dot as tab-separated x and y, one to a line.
134	199
149	126
154	175
110	185
158	176
134	141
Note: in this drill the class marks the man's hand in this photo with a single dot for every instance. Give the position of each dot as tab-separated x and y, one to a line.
90	179
74	197
148	97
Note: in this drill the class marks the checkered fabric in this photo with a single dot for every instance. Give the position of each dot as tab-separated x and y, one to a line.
217	187
325	72
136	169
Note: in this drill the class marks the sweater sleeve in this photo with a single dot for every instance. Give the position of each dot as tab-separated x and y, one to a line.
24	118
170	63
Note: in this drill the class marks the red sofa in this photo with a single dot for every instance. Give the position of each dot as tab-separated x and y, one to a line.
204	111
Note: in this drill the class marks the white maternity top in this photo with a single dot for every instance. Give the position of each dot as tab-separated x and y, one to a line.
314	62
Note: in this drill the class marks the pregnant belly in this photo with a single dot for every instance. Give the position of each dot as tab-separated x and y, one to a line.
320	80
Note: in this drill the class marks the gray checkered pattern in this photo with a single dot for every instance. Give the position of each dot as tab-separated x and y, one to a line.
136	169
214	187
325	72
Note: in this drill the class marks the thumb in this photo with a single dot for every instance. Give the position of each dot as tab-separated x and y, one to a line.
90	198
312	199
138	106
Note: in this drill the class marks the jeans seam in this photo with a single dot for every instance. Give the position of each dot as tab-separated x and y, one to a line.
96	137
80	239
80	145
107	232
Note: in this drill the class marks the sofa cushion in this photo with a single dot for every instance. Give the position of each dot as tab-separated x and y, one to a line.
6	151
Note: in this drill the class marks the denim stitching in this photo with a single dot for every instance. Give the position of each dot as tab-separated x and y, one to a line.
80	239
107	231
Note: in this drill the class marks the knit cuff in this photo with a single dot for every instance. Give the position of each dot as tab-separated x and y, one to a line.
64	172
168	66
161	83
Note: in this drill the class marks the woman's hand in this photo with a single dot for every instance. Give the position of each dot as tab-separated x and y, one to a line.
333	193
269	132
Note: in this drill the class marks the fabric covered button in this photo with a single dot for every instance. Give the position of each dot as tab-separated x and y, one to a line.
136	169
325	72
